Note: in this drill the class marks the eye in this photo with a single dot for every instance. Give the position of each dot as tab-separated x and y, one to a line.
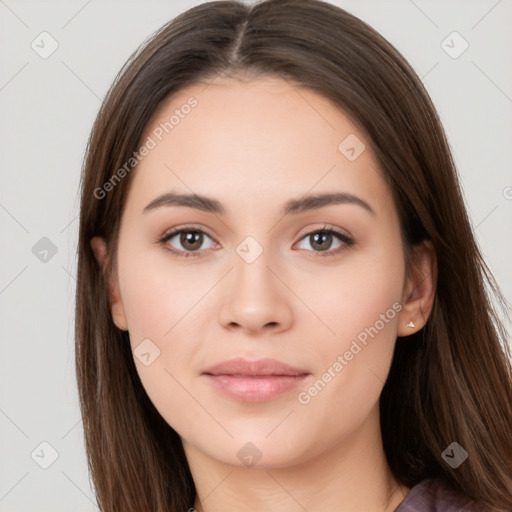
322	240
190	239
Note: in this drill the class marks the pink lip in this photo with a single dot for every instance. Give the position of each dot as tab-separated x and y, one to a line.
254	381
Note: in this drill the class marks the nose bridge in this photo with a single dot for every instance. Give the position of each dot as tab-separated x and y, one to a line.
252	262
256	297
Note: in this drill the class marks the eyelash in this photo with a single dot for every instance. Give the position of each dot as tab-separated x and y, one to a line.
347	241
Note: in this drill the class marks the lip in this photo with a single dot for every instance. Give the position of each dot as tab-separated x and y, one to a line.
260	367
254	381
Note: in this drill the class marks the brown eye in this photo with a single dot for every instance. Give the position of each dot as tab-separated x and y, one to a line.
321	241
191	240
186	241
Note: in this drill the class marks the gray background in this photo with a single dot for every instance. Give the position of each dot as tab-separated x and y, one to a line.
47	109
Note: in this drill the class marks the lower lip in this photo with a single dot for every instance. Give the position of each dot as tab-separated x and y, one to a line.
255	389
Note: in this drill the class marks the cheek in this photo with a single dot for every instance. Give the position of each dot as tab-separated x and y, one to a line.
160	303
353	296
362	308
158	295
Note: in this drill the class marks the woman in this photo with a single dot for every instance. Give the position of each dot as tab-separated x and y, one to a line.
225	359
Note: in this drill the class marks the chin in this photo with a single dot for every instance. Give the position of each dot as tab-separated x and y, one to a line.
259	453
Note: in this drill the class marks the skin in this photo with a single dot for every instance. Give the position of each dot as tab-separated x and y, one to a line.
253	145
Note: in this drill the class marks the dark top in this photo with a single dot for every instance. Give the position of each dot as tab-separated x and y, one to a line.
433	495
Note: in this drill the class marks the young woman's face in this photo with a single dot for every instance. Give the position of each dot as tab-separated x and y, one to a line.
263	280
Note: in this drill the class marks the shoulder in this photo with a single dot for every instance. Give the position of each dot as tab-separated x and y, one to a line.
433	495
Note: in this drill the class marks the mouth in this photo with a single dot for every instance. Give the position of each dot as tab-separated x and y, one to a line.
254	381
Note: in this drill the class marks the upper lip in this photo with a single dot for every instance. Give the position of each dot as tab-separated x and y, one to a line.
265	366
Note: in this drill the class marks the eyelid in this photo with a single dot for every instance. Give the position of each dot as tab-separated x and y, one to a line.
186	227
325	227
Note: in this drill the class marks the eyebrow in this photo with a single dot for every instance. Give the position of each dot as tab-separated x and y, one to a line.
291	207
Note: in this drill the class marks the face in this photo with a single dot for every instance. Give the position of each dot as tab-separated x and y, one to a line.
319	286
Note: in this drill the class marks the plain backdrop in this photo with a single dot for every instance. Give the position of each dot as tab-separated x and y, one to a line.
47	107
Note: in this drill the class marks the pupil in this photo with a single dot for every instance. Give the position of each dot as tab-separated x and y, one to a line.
188	238
322	236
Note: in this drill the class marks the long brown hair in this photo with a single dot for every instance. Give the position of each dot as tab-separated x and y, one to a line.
451	381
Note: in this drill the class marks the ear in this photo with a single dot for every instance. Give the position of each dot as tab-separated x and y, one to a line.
99	247
419	289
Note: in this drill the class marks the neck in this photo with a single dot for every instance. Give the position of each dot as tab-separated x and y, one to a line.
351	476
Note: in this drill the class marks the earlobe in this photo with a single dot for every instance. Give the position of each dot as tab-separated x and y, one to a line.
99	248
419	290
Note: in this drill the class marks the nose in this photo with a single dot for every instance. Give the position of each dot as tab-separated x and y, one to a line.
255	298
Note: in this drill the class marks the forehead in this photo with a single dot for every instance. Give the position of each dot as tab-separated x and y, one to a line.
260	141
